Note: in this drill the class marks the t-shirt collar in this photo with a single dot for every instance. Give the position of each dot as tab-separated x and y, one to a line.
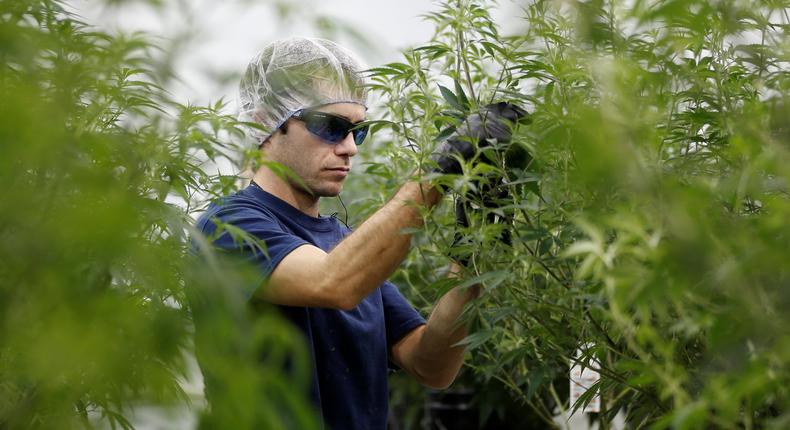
321	223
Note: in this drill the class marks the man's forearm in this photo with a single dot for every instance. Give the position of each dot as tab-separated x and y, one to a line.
367	257
436	359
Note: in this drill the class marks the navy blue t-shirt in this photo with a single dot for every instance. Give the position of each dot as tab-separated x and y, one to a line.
349	348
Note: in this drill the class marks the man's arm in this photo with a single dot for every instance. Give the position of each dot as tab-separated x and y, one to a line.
359	264
427	353
308	276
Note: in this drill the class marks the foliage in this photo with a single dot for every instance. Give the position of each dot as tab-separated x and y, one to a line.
101	170
647	201
646	210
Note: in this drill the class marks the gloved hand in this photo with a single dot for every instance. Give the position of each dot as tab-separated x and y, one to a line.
494	121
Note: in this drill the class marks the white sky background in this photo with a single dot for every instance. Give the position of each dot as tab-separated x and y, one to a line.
225	35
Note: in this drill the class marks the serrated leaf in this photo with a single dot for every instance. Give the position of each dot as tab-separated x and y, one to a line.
450	98
476	339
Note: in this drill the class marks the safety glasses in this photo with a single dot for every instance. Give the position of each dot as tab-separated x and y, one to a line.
329	127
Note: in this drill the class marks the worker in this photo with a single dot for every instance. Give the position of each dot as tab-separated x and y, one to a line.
310	100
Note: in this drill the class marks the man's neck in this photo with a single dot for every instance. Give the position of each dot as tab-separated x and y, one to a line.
276	186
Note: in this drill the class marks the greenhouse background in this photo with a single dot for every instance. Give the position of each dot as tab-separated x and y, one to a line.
639	228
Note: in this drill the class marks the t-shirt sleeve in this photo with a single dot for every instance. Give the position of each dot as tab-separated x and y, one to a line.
400	317
276	241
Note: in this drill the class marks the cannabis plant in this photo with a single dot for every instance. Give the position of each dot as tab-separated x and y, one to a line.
637	224
99	285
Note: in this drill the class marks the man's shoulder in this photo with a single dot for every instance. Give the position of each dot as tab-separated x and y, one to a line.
234	208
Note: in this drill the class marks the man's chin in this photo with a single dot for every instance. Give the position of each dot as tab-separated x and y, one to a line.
333	191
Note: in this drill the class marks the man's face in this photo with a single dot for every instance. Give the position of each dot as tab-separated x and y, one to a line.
322	166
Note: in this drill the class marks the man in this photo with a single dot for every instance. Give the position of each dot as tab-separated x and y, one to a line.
309	96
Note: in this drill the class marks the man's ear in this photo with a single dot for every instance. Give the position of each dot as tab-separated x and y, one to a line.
282	130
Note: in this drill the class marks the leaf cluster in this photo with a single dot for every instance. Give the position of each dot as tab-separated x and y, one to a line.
100	286
645	205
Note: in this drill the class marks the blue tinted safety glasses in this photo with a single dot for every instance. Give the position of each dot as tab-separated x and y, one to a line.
329	127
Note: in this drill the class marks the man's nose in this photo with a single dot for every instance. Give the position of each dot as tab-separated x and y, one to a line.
347	146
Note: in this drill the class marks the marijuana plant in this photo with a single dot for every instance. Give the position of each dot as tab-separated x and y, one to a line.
644	205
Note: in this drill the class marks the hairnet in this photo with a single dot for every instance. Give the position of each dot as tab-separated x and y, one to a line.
298	73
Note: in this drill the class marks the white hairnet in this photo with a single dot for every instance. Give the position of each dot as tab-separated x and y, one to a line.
298	73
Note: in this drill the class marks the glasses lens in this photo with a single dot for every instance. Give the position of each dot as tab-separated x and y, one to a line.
332	128
323	127
360	134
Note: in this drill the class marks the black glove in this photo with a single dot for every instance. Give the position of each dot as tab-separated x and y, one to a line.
494	121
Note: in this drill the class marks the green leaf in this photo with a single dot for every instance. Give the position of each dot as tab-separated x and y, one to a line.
450	98
476	339
444	134
462	99
488	279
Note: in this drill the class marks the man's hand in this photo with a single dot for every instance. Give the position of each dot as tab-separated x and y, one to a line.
494	121
431	352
